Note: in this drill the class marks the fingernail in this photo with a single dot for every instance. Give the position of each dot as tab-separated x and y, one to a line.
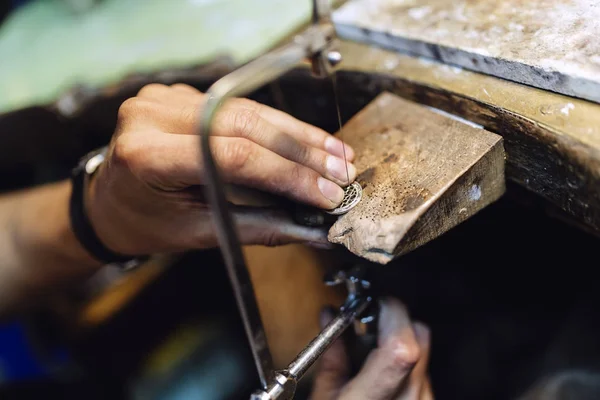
337	168
333	192
349	152
335	146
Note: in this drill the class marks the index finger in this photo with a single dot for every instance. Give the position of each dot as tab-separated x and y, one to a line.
306	133
172	162
190	101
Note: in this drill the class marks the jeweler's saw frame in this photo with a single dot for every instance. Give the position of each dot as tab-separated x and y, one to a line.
317	44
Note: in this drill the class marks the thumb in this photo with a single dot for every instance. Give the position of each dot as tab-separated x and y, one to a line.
333	369
274	227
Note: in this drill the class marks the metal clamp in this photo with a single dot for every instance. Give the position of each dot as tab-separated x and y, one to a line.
358	285
355	310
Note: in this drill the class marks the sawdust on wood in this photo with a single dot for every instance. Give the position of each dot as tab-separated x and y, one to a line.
409	159
548	44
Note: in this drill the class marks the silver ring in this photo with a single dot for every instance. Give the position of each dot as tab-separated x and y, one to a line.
352	196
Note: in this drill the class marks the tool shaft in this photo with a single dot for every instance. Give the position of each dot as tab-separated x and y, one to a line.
313	44
284	382
242	81
332	331
238	83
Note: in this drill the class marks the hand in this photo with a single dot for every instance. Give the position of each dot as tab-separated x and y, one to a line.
395	370
146	197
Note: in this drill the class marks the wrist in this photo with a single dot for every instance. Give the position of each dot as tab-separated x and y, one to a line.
45	225
103	214
94	225
64	233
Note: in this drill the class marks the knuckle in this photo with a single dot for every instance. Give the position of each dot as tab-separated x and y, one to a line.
234	155
151	88
129	108
133	109
186	88
294	181
297	182
402	356
127	151
271	239
297	174
245	122
249	104
181	86
304	153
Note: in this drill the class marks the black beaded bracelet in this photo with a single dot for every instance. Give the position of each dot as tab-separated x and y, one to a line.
80	223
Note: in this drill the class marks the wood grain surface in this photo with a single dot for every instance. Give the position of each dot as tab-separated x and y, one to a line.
422	173
552	141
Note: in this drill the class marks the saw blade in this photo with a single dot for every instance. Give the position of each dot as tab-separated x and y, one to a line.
339	116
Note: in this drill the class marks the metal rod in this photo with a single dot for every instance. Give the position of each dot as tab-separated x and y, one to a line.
313	44
332	331
241	82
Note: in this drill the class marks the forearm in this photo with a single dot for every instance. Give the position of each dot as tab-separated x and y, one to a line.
38	250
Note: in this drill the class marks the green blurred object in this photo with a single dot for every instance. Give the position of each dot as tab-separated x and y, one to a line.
80	6
47	49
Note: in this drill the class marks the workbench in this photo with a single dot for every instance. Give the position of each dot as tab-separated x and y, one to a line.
551	135
552	140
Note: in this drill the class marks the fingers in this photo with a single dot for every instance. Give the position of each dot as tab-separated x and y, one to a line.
427	393
395	323
248	123
176	110
255	226
173	162
418	384
178	95
387	367
192	225
333	369
182	87
301	131
187	96
397	369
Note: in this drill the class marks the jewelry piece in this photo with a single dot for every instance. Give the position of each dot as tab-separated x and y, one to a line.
352	196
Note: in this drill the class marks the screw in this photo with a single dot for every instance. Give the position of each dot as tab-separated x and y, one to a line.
334	58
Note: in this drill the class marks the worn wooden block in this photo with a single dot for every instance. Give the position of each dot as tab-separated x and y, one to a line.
552	141
422	173
551	45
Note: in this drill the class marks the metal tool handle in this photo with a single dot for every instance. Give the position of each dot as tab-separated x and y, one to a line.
240	82
285	381
314	44
332	331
